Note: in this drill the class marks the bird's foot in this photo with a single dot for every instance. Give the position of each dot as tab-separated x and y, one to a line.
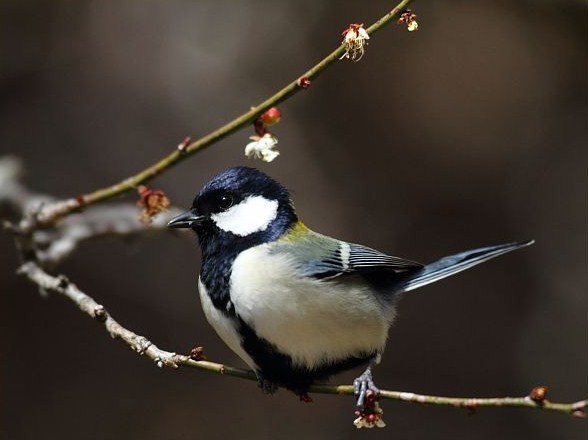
362	385
369	413
266	386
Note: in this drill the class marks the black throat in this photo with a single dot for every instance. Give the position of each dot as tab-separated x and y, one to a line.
221	248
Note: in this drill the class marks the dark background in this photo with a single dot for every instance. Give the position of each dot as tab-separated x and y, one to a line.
469	132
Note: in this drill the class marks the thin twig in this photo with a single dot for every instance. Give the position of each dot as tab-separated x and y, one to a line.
51	246
143	346
52	212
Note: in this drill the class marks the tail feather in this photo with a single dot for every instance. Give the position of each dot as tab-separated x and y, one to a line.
452	264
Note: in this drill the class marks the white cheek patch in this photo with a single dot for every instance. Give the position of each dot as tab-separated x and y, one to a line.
254	214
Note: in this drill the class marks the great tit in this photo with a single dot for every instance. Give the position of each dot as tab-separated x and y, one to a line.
295	305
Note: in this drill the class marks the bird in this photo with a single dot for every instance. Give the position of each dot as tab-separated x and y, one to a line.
295	305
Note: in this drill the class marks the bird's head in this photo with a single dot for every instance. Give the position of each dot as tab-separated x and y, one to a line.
240	205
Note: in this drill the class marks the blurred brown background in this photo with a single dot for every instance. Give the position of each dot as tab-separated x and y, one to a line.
471	131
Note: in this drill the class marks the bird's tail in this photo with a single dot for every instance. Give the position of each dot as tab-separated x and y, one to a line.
452	264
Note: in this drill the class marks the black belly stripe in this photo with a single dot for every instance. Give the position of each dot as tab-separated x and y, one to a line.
278	368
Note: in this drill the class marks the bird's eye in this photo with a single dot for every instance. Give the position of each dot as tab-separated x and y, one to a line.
225	201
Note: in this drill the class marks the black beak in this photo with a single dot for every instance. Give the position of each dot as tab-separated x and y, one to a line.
185	220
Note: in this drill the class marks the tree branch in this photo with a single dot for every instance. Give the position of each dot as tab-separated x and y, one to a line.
50	213
51	246
140	344
42	243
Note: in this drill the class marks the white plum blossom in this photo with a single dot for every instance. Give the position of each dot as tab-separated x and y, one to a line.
355	38
262	147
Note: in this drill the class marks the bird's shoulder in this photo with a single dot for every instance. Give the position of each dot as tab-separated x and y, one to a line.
321	256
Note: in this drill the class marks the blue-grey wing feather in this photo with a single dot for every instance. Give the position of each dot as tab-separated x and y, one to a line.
323	257
320	256
365	258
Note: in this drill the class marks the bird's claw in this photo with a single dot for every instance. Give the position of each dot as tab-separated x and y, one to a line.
266	386
364	386
369	413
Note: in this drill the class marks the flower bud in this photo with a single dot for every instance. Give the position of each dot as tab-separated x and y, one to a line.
271	116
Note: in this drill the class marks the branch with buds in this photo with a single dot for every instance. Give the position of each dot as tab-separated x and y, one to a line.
50	246
50	230
50	213
117	220
536	399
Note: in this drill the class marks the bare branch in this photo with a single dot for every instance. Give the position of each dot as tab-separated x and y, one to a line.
120	219
13	193
143	346
60	284
52	246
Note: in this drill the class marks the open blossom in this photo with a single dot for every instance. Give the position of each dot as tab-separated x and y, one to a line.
262	147
355	38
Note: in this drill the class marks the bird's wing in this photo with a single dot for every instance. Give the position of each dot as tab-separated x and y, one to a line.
365	258
320	256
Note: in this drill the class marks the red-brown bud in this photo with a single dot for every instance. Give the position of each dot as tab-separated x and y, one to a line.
197	354
538	394
153	201
271	116
304	82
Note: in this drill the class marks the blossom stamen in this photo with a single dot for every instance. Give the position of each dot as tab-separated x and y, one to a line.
355	39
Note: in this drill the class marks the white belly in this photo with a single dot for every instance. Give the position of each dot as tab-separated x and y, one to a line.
312	321
223	325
